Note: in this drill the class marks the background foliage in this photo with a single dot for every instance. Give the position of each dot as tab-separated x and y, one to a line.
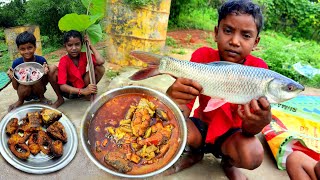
46	14
295	18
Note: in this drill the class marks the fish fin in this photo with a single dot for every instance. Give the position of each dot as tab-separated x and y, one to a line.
222	63
145	73
214	104
147	57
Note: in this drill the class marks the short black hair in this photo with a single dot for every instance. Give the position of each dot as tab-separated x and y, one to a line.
24	38
72	33
241	7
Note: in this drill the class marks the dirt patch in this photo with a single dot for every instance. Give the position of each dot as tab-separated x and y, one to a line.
190	38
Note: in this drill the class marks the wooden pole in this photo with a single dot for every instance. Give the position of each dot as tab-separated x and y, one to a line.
91	69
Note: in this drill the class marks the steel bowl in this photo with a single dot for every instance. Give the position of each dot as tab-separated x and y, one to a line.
25	65
107	96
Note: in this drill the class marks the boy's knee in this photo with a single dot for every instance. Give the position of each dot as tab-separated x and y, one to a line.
317	169
251	155
24	90
100	69
295	155
53	71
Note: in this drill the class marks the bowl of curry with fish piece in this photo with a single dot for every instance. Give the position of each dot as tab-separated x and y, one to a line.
133	132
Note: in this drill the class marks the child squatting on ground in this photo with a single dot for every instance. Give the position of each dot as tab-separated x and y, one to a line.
229	131
73	78
26	43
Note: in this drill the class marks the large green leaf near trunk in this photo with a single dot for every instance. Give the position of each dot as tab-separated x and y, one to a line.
95	33
74	22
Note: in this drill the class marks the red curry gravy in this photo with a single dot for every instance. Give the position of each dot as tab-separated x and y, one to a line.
110	114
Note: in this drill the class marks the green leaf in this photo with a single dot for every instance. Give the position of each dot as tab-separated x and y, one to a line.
95	18
94	33
74	22
95	7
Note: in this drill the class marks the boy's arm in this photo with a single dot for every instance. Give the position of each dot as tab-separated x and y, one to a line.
90	89
255	115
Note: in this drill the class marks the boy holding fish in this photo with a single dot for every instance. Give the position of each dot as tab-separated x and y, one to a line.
26	43
234	90
229	130
73	78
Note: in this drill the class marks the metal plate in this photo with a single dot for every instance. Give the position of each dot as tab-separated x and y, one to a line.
28	64
107	96
41	163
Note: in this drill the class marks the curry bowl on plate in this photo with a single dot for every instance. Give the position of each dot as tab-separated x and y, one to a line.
133	132
28	73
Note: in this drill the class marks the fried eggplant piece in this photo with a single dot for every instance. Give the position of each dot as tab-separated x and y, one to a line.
57	131
162	114
56	148
33	144
44	142
118	161
20	150
49	116
12	126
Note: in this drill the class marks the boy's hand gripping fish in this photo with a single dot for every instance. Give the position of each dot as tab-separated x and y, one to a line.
222	81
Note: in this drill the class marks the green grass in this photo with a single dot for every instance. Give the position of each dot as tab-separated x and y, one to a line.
111	73
5	61
281	53
171	42
204	18
178	51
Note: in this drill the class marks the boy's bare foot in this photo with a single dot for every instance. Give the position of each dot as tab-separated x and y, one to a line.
186	160
58	103
44	100
15	105
232	172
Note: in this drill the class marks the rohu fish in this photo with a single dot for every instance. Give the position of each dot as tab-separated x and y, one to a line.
222	81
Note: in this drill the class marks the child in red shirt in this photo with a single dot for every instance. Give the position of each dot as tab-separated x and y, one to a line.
227	132
72	75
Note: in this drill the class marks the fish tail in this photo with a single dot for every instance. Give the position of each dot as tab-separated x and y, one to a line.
153	61
145	73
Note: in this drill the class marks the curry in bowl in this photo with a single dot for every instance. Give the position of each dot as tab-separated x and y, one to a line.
134	134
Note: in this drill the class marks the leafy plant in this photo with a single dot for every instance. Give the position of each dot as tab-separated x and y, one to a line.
47	14
111	73
296	18
88	22
171	42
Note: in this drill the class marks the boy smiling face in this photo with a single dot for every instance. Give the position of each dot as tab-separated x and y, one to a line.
236	36
27	51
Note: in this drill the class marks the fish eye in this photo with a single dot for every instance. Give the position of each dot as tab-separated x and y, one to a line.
291	87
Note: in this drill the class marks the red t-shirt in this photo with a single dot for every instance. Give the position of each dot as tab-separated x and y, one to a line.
225	117
69	73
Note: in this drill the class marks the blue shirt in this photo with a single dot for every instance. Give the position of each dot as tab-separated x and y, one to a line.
39	59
